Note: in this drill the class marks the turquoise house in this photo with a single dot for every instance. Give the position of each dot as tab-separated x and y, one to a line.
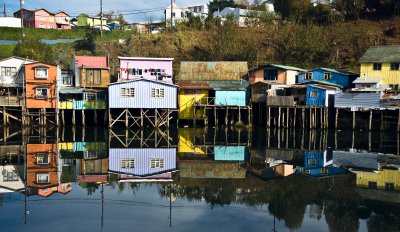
338	77
231	93
230	153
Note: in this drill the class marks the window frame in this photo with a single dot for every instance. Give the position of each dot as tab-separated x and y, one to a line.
313	94
327	75
90	80
377	66
157	163
271	74
42	154
47	175
41	68
41	96
127	92
308	76
157	93
394	66
127	163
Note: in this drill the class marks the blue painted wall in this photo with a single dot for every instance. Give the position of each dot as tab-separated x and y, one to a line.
342	79
315	101
230	153
231	97
310	156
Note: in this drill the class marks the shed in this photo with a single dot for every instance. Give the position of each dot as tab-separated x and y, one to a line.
142	94
260	90
320	95
359	99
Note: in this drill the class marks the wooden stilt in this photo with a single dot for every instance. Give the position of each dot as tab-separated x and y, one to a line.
250	115
294	117
62	117
321	124
206	113
269	117
95	117
126	118
155	118
382	124
141	118
326	118
354	120
287	117
73	118
83	118
398	121
240	117
215	117
336	118
310	119
370	120
279	117
44	117
303	117
57	117
168	117
226	117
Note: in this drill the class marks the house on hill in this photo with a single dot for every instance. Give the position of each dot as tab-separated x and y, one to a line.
343	78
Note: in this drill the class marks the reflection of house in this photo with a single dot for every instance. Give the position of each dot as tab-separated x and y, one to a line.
384	179
42	166
142	161
318	164
12	179
265	173
223	170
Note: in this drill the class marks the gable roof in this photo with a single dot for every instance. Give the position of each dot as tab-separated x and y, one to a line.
19	58
319	86
214	85
92	61
279	66
212	70
321	82
336	71
381	54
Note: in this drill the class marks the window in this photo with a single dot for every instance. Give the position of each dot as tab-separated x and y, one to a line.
127	92
389	186
8	71
372	185
308	76
135	71
42	26
313	94
270	74
42	93
127	163
42	158
324	171
394	66
394	87
89	96
10	176
42	178
41	73
157	163
327	76
157	93
377	66
93	76
67	80
312	161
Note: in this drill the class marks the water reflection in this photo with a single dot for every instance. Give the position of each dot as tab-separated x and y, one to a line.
287	180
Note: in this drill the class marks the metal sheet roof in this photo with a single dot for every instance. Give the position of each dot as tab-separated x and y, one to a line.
213	71
92	61
381	54
239	84
279	66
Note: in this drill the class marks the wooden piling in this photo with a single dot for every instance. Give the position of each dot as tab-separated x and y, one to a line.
215	117
73	118
83	117
398	121
382	125
336	118
279	117
370	120
44	117
287	117
126	118
226	117
354	120
141	118
294	117
269	117
95	117
57	117
303	117
62	117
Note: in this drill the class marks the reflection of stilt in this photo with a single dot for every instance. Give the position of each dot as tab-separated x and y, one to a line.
102	206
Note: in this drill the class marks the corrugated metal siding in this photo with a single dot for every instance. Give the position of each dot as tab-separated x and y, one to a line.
142	97
315	101
230	153
231	97
142	160
209	71
358	100
355	159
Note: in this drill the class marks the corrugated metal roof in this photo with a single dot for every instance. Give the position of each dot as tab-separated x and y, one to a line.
381	54
213	71
145	58
323	83
141	79
323	87
337	71
279	66
92	61
361	80
240	84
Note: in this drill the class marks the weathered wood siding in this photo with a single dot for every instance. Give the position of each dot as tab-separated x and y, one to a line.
386	75
280	101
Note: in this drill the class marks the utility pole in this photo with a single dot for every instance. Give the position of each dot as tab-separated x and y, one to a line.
101	18
21	3
5	13
172	13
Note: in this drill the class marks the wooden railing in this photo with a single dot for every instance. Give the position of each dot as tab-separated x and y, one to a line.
11	101
280	101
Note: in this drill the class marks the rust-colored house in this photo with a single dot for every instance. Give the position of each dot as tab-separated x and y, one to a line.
281	74
91	71
42	166
42	83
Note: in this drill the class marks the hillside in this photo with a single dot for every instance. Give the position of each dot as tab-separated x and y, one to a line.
337	45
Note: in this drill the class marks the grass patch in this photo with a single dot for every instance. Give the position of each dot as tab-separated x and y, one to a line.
6	50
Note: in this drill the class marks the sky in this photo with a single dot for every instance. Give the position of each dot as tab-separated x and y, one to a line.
133	10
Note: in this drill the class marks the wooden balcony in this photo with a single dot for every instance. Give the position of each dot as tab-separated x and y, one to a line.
16	101
82	105
280	101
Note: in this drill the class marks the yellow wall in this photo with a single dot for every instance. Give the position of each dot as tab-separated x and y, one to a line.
65	105
386	75
186	102
380	177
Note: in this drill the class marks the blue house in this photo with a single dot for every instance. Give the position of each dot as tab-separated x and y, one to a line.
318	164
333	76
321	95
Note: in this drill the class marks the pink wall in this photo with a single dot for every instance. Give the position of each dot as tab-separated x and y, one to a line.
147	67
45	19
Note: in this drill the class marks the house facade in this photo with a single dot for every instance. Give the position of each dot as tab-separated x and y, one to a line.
275	73
321	95
343	78
63	20
243	17
85	20
383	63
42	85
91	71
40	18
156	69
183	13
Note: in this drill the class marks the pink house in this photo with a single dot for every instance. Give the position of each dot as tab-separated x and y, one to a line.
156	69
41	18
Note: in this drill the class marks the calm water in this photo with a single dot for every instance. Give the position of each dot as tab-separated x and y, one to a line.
199	180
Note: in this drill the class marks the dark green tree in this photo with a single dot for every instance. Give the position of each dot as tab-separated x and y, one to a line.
35	50
218	5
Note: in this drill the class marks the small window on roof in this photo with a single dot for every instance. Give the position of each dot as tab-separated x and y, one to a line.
308	76
327	75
